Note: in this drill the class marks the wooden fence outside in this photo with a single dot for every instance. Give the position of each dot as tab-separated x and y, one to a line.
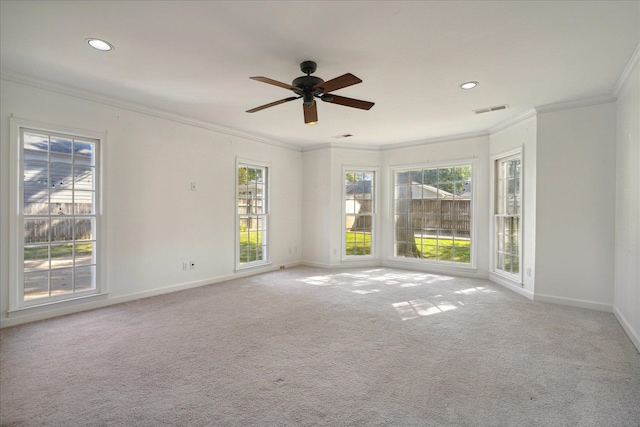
425	214
441	214
61	227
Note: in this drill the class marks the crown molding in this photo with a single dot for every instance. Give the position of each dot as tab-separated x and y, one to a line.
434	140
28	80
578	103
627	72
512	122
322	146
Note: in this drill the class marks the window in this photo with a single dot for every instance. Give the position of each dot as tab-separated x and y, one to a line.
507	211
433	213
252	215
359	210
58	217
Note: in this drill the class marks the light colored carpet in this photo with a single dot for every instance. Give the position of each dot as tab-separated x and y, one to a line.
306	347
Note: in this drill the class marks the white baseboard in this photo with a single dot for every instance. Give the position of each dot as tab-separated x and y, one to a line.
633	335
511	285
344	264
316	264
435	269
41	313
592	305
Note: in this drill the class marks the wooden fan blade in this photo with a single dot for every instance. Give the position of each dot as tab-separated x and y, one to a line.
310	113
274	82
338	83
271	104
348	102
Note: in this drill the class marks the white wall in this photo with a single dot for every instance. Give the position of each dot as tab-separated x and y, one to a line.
575	206
627	232
476	149
316	207
154	221
322	202
521	135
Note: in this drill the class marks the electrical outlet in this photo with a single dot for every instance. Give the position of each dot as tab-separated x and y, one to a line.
529	271
193	186
192	265
185	265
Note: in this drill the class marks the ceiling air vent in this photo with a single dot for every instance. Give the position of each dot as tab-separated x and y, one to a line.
490	109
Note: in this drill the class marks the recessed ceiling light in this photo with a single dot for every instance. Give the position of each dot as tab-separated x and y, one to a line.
100	44
468	85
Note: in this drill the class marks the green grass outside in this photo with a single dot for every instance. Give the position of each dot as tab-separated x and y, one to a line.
57	251
250	246
444	249
430	248
358	243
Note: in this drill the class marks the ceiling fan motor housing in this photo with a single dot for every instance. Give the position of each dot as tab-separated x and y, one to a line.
306	84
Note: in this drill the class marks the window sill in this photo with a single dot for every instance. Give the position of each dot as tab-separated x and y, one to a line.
357	258
56	304
244	267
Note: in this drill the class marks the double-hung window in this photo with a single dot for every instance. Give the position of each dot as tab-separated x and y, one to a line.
359	213
57	223
507	213
252	215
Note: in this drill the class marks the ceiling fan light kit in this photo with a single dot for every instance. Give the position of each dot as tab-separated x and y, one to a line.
309	87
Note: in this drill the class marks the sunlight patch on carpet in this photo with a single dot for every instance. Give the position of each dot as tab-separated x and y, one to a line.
420	307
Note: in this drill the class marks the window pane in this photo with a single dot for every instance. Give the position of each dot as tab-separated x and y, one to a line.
61	281
84	254
36	230
462	254
62	202
60	175
36	174
62	256
83	202
84	228
85	278
36	257
84	153
430	177
36	201
61	229
36	284
83	177
61	150
36	147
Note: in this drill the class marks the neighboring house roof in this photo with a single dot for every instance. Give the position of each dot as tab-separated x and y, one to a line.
424	191
418	191
359	187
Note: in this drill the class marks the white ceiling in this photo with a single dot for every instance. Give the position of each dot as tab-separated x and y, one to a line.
194	59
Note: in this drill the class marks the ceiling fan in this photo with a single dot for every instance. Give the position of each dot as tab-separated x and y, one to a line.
309	87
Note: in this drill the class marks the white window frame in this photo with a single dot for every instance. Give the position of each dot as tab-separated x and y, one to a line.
437	264
240	162
505	156
17	302
373	215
